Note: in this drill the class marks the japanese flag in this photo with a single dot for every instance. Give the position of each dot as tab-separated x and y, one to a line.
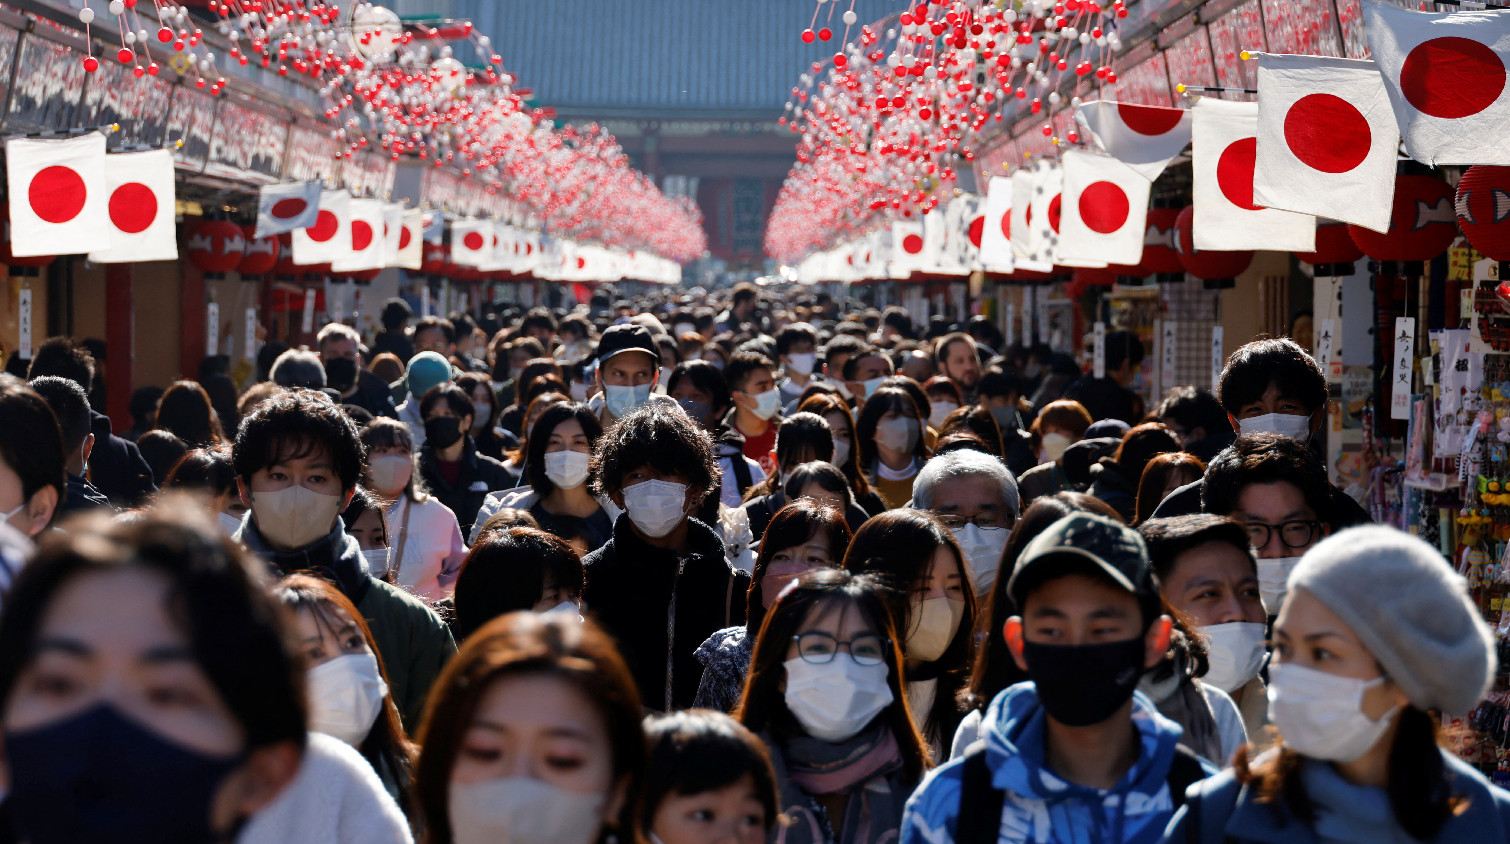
140	208
1327	139
58	194
1226	217
283	208
1022	200
329	239
365	236
411	240
1446	77
996	226
909	252
1104	208
1043	215
393	231
1144	137
472	242
957	253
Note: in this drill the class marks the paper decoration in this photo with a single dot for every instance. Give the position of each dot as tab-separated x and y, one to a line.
58	194
308	323
1022	201
1169	353
1103	211
283	208
249	350
140	208
1143	137
1226	217
1404	364
1044	211
996	226
1325	342
908	248
329	239
393	232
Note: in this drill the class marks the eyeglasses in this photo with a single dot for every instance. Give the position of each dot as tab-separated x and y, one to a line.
955	521
1293	534
821	648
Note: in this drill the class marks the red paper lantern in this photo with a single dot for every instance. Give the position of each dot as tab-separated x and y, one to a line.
1483	209
1421	226
1334	245
1159	255
1206	264
216	246
433	259
261	253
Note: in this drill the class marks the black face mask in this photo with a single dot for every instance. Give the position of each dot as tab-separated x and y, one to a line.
340	374
1081	685
442	431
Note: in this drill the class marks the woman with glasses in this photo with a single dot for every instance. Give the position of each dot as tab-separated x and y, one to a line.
825	694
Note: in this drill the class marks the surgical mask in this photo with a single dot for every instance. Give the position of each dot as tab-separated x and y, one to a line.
982	547
340	374
377	560
6	517
1235	653
718	362
1054	445
390	472
697	410
834	702
1080	685
939	410
664	379
1284	424
621	401
566	469
578	391
898	434
523	810
767	404
656	507
294	516
1321	715
802	363
871	386
346	696
1005	416
841	452
443	431
1274	581
482	414
568	608
692	355
935	621
228	524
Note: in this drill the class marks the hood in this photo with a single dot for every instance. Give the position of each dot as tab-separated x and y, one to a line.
1080	456
727	442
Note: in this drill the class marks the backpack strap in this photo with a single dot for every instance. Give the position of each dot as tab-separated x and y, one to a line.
1185	770
978	820
742	476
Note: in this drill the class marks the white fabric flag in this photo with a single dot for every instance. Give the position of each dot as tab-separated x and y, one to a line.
908	248
411	240
283	208
1022	200
1446	77
393	232
958	254
471	242
1327	139
329	239
1143	137
1226	218
1105	206
996	228
140	207
1043	214
365	238
58	194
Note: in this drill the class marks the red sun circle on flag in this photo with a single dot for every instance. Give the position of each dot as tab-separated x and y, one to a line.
913	244
133	207
978	228
1452	77
1055	211
404	237
473	241
1104	207
361	234
57	194
287	209
1327	133
324	228
1234	173
1149	120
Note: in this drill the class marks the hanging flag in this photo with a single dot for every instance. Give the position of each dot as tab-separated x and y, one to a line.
140	208
1104	208
1044	211
1445	74
958	254
283	208
329	238
471	242
411	240
433	224
908	248
996	226
1145	138
1022	200
1327	139
58	194
364	233
1226	218
393	232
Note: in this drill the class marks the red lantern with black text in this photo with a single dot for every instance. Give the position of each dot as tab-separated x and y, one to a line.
1482	207
1206	264
434	257
1421	226
216	246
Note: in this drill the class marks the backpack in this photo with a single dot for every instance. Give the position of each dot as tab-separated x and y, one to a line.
980	803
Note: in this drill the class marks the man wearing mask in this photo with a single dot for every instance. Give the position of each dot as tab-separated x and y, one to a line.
1075	748
836	354
976	498
1109	397
297	462
426	370
341	354
70	405
796	350
628	369
1000	392
757	405
956	358
864	372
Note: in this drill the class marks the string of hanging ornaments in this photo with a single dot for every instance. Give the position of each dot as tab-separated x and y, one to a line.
886	121
401	86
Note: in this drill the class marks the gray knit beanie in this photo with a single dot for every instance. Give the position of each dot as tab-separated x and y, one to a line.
1409	608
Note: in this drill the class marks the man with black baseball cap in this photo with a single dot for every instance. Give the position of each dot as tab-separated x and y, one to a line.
1077	747
628	365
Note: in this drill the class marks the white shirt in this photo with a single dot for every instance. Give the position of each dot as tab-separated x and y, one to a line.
335	798
433	547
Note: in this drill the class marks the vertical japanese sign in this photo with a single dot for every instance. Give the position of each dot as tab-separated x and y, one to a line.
212	329
1217	360
249	351
1404	363
1043	319
1168	354
23	315
1325	343
1027	316
424	300
308	323
1098	353
1010	323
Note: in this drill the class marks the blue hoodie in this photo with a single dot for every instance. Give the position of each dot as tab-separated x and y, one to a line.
1041	808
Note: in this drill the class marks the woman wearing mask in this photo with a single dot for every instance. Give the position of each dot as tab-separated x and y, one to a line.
825	693
367	523
1163	475
700	389
1375	633
944	398
709	781
518	569
802	438
936	614
449	463
1115	479
1057	427
841	421
489	438
207	471
889	437
802	537
424	536
532	737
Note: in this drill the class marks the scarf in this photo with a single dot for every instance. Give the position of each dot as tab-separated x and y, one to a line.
821	767
867	768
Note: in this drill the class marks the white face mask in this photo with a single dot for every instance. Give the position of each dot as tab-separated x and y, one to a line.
802	363
871	386
1235	654
1284	424
567	608
295	516
1321	715
567	469
377	561
899	433
622	400
228	524
578	391
523	810
6	517
833	702
1274	581
841	452
934	623
390	472
482	414
656	507
767	404
982	547
939	410
1054	444
346	696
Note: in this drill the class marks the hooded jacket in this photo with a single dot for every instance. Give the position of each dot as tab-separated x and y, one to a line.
1041	808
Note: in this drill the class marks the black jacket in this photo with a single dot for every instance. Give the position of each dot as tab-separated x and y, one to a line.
81	496
1106	399
629	590
116	467
372	395
1111	485
762	508
392	341
480	475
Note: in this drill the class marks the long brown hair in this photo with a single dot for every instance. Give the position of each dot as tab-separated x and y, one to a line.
792	525
825	403
1156	475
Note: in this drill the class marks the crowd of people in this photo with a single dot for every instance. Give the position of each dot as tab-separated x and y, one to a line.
713	569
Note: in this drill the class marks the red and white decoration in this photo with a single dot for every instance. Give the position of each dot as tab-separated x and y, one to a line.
1327	139
329	239
909	249
411	240
393	231
1144	137
1022	202
472	242
1042	218
216	246
1103	211
996	226
1226	217
140	208
1446	77
960	252
283	208
59	196
364	229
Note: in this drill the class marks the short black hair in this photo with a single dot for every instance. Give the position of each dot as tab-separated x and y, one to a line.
740	366
1168	538
705	377
792	334
804	432
1191	408
1279	361
842	344
1265	459
744	292
538	318
540	440
457	399
941	350
299	423
69	404
659	435
506	571
206	470
698	751
31	443
1123	346
62	357
996	382
445	326
396	312
853	364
